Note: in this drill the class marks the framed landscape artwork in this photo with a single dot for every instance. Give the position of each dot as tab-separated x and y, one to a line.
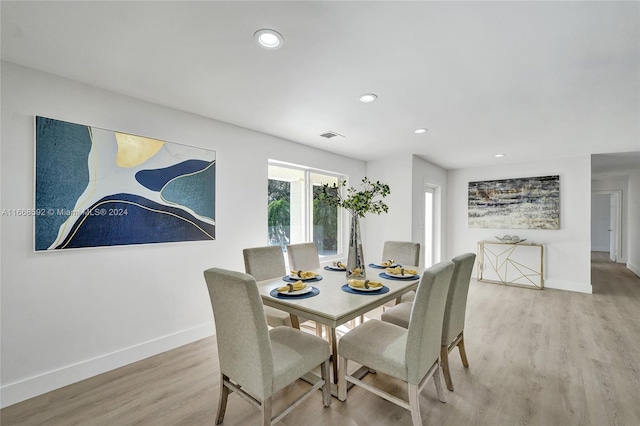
522	203
97	187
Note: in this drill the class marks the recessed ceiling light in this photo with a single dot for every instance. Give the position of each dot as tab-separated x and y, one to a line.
269	39
499	155
368	97
418	131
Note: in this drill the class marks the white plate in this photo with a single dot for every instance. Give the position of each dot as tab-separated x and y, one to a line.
364	289
380	265
405	276
305	290
335	268
295	277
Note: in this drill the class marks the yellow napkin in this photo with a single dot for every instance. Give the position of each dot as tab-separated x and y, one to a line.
388	262
304	274
364	284
356	272
298	285
398	270
339	265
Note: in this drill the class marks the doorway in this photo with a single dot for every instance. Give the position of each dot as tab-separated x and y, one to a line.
606	220
431	242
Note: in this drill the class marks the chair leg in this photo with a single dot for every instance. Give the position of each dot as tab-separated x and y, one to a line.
326	388
414	405
222	401
463	352
444	361
266	412
318	329
438	382
342	381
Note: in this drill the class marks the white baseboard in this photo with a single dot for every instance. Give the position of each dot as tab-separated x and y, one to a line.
606	249
633	268
568	286
13	393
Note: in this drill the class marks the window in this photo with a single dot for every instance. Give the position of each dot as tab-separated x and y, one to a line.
295	215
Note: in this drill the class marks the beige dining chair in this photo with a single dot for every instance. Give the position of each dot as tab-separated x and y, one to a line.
409	354
263	263
405	253
304	257
454	314
256	362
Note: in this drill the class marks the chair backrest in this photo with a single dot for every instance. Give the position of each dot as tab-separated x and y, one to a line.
425	324
303	256
263	263
454	312
244	347
403	252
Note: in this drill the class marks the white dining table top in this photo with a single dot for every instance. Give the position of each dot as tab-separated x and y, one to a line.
333	306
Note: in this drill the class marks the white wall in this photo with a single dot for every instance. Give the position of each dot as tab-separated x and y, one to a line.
396	224
69	315
425	173
567	250
633	262
406	175
600	222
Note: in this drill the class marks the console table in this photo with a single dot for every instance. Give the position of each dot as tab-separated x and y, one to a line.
512	264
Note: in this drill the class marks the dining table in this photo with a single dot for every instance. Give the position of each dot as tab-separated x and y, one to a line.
332	302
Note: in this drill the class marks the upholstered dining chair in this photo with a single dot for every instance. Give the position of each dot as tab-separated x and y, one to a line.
256	362
409	354
404	253
304	257
454	314
263	263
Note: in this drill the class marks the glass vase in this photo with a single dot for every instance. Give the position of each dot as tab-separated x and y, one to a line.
355	258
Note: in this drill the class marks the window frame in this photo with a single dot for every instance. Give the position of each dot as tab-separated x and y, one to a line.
308	204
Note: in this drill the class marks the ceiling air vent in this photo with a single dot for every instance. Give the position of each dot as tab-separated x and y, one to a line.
330	135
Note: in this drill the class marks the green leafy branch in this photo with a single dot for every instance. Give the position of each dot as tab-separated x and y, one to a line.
357	202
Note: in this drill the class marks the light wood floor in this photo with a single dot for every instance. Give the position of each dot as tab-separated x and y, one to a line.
536	358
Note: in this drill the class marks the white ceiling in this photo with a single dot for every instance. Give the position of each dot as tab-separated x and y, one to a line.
531	80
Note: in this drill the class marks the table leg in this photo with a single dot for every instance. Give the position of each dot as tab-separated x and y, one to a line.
333	341
294	321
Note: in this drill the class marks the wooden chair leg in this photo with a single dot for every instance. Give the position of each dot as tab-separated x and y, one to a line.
318	329
342	381
222	401
266	412
438	382
463	352
326	388
444	361
414	405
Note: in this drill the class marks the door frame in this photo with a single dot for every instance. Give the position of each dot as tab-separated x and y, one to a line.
618	208
436	190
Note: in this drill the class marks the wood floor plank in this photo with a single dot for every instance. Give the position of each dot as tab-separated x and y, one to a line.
535	357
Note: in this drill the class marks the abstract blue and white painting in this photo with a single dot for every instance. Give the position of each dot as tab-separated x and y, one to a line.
521	203
97	187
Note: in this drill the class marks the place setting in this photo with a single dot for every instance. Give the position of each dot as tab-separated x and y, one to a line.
400	273
306	276
336	266
296	290
364	287
390	263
